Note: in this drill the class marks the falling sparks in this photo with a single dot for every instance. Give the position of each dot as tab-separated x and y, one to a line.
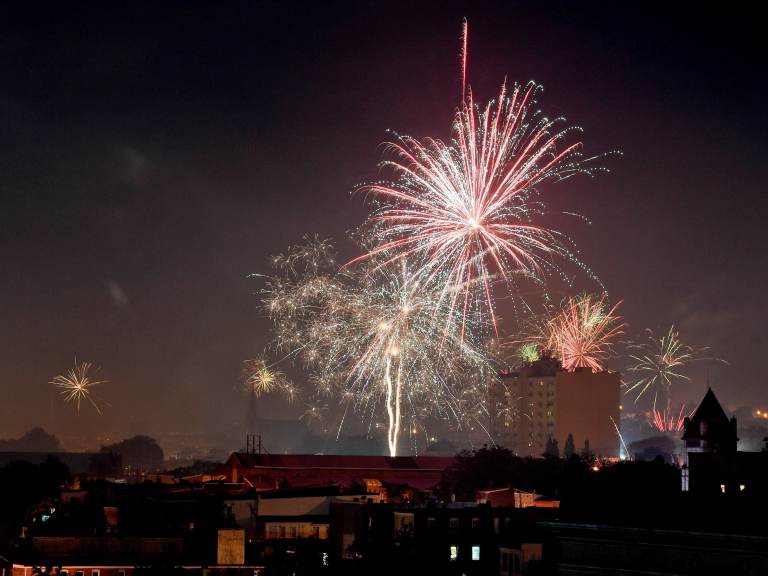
75	385
374	336
666	421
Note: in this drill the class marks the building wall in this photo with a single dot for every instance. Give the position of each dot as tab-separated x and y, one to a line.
230	546
540	400
523	410
585	403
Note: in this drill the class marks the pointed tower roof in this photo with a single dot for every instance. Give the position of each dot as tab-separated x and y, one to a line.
710	423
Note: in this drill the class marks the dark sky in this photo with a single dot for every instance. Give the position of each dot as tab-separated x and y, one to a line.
152	157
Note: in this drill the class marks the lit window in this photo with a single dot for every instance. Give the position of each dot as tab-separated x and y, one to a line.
722	488
454	553
741	487
475	552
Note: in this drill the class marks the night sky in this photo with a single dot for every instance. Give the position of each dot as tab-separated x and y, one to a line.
152	157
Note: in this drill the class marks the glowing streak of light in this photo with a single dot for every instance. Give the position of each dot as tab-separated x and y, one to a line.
621	438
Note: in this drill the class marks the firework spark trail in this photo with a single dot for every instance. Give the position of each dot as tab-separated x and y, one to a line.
665	421
621	438
75	385
464	58
581	334
375	334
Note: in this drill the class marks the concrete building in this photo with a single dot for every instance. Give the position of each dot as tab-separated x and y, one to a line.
541	400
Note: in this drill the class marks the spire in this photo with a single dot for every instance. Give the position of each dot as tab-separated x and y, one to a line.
710	428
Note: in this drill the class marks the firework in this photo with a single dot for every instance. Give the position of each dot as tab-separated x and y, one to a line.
466	210
260	378
375	338
529	352
581	334
666	421
658	363
75	385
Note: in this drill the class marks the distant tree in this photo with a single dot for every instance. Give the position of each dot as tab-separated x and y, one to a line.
498	468
35	440
569	449
140	452
552	450
587	454
26	488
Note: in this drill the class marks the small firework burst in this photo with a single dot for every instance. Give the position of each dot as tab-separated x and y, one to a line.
659	363
76	385
260	378
529	352
582	333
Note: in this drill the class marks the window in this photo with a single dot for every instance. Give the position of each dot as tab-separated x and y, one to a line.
431	523
496	525
79	572
454	553
121	573
95	572
475	553
475	523
454	524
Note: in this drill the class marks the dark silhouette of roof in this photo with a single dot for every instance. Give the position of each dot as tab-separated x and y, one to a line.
711	424
342	461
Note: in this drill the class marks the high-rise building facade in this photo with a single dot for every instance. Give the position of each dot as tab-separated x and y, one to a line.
540	401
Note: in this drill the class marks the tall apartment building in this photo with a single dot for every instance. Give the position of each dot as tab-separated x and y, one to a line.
541	400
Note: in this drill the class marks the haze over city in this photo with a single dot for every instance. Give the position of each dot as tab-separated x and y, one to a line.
152	158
